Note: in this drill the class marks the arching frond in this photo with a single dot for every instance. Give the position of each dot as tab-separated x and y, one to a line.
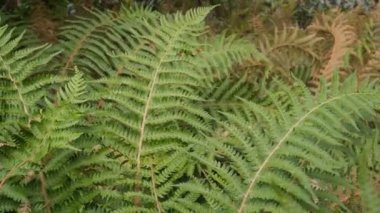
148	112
89	42
344	37
370	199
23	82
225	95
275	163
50	159
288	48
368	53
151	115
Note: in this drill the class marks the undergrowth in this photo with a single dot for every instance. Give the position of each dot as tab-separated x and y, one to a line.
138	111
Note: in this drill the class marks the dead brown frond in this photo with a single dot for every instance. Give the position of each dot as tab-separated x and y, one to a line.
289	47
372	67
369	54
343	38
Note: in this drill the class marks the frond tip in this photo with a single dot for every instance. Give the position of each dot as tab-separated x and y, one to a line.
74	89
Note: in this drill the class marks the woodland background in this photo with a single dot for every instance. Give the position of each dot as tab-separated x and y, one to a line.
239	16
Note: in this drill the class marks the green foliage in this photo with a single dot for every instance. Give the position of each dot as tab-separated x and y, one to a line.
271	159
141	112
369	198
90	42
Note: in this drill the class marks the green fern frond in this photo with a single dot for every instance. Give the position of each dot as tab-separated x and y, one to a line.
89	43
74	90
21	79
20	27
269	165
146	110
220	55
370	198
150	114
46	168
224	95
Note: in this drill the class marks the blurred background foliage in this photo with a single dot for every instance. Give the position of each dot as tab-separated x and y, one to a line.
283	30
238	16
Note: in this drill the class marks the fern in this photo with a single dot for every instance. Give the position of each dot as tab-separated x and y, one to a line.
138	111
368	54
34	130
344	37
273	164
150	115
21	81
224	95
90	42
369	197
49	164
288	48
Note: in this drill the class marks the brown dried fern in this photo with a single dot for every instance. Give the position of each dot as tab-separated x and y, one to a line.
370	54
372	68
287	48
344	37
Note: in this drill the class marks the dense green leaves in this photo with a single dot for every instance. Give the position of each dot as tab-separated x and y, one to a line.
140	113
268	159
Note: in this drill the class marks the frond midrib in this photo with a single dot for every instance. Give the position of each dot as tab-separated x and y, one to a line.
151	91
253	181
81	42
19	93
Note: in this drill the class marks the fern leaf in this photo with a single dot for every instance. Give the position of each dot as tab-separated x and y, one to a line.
21	79
151	114
269	167
48	163
160	100
288	48
89	42
344	37
370	200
